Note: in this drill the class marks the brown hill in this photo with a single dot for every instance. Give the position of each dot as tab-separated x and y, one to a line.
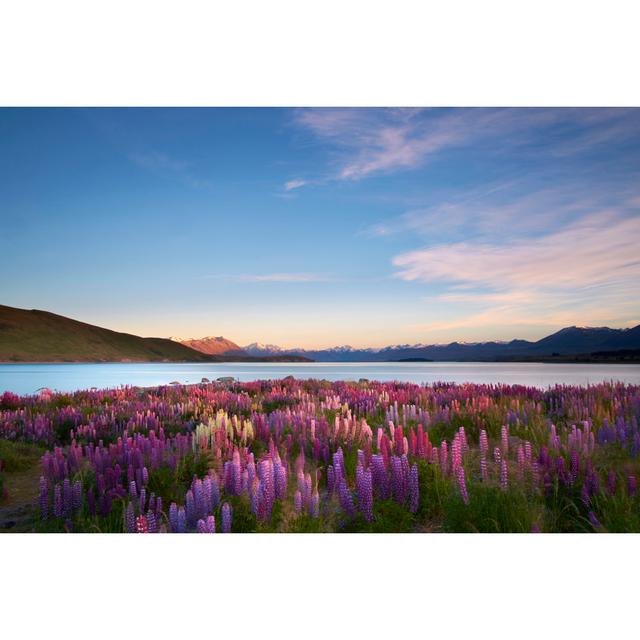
212	345
40	336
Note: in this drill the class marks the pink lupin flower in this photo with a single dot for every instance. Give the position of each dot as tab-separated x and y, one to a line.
505	440
504	476
497	456
142	525
521	461
484	442
484	474
462	485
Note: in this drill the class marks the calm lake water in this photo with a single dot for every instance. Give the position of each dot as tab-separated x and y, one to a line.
28	378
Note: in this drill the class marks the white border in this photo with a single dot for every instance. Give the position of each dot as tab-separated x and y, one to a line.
334	52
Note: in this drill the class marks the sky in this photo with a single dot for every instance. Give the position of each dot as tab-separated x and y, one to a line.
323	227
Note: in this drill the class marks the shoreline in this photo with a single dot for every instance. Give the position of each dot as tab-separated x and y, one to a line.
325	362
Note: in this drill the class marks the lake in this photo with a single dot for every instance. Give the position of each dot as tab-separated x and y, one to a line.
28	378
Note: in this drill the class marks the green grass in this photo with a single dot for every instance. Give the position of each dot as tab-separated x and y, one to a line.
19	456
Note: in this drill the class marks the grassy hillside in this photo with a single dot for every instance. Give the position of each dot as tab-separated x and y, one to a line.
40	336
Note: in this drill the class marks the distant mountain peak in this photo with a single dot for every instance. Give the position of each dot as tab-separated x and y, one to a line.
212	345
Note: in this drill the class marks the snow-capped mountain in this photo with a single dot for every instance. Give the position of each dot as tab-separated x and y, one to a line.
568	341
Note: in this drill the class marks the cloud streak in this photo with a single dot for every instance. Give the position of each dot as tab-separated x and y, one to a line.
369	142
589	267
294	184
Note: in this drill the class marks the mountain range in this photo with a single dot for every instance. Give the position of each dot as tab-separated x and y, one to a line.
566	343
41	336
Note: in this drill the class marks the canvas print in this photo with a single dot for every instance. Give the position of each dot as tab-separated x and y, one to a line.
319	320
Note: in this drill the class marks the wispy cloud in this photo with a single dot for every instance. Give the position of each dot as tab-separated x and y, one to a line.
294	184
589	267
164	163
373	141
514	208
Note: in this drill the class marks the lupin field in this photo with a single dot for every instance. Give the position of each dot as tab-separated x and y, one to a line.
317	456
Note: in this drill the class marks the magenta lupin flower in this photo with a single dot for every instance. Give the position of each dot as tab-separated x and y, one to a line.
44	498
462	485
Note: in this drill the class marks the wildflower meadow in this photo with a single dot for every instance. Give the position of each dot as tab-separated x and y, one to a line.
317	456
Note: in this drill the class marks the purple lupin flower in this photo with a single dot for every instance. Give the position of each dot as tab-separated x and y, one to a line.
44	498
331	479
346	499
397	480
611	483
297	501
130	519
91	502
281	481
504	476
632	486
199	498
152	523
315	504
379	476
182	520
227	516
210	524
201	527
173	517
595	523
76	495
190	508
414	489
58	509
133	490
364	490
145	476
67	497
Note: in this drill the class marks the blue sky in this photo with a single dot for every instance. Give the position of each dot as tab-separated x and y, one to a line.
318	227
